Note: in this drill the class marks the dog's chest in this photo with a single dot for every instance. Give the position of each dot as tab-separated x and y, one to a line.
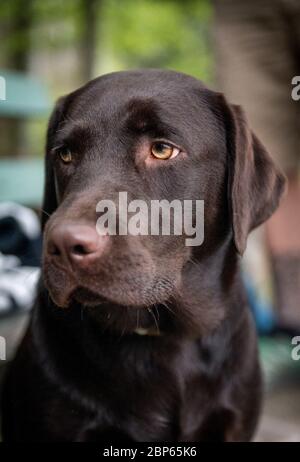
163	401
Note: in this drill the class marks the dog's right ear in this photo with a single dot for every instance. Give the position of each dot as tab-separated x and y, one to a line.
50	197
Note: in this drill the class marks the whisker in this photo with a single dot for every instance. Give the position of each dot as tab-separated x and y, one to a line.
157	312
155	320
194	262
44	211
125	324
165	305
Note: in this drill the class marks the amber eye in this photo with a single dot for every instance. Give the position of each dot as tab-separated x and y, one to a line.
162	150
66	156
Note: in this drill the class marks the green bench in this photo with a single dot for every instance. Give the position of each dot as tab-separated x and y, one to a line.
26	96
21	180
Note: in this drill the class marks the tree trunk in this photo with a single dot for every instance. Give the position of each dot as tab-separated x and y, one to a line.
12	131
90	11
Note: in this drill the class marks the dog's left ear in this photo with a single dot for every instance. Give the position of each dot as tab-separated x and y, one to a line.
255	184
50	196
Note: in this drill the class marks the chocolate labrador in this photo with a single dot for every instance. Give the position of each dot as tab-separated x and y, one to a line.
142	337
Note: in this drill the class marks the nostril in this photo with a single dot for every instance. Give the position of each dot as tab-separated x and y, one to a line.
74	244
79	249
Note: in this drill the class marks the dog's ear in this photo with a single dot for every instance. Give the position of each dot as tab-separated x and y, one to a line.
255	184
50	196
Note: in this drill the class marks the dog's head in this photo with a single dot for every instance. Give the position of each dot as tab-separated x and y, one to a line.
156	135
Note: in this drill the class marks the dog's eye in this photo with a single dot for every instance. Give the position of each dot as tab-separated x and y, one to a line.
66	156
162	150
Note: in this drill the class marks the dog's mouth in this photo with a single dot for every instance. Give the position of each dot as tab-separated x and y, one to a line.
90	298
137	291
139	282
86	297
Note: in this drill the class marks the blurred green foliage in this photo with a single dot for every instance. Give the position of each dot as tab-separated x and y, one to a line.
172	34
131	33
152	33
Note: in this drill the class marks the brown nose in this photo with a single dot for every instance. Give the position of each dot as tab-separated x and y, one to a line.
75	245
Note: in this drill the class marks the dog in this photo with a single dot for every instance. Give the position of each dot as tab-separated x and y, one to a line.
141	337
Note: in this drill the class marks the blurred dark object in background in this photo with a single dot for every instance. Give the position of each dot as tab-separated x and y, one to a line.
20	234
20	257
258	54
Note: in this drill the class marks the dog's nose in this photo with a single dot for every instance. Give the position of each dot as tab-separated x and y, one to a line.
78	245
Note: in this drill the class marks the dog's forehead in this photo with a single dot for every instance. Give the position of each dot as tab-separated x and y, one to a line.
148	82
161	103
125	91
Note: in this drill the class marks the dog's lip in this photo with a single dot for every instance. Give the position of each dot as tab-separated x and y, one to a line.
65	269
74	291
91	298
62	299
86	296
